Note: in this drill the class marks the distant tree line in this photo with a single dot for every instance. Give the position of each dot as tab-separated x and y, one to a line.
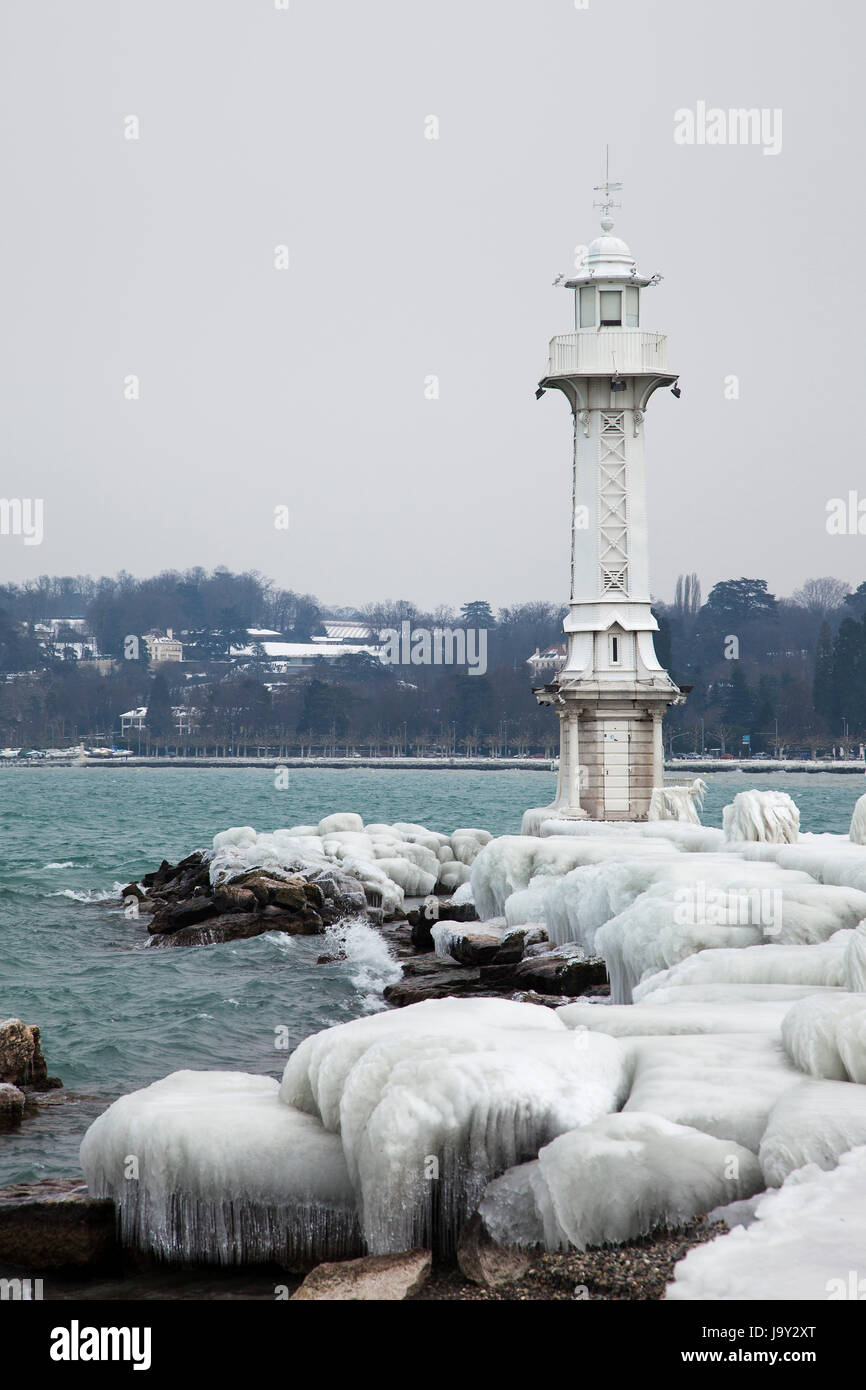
780	673
765	672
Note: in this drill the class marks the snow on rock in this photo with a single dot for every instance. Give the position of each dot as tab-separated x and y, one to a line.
825	1035
465	1088
754	815
458	941
814	1122
807	1239
723	1085
678	803
614	1180
224	1172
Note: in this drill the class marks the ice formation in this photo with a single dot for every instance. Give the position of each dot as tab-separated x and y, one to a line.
736	1029
724	1085
813	1122
826	1036
212	1166
390	861
857	833
771	816
678	803
456	1089
617	1178
805	1243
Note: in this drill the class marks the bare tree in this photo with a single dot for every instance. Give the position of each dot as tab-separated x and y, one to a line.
821	596
687	599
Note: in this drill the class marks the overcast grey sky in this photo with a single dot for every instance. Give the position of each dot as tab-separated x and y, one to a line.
408	256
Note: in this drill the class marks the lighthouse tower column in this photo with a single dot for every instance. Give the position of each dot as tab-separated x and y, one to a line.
612	692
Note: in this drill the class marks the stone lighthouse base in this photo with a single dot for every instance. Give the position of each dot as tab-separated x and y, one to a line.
611	752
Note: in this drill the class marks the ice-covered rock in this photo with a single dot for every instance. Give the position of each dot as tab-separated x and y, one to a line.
433	1101
723	1085
806	1243
615	1179
823	964
814	1122
469	943
857	832
755	815
855	961
213	1166
678	803
342	820
466	845
825	1035
453	876
674	1017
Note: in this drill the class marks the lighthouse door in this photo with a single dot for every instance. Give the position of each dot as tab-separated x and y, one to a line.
616	788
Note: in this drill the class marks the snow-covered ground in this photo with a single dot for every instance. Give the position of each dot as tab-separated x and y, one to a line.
727	1072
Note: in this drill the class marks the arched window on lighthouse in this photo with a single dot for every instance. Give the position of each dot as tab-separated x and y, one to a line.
614	650
611	308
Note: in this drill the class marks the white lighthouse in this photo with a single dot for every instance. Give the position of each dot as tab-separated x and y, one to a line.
612	692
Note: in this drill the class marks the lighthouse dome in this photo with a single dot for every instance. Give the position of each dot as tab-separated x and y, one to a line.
609	253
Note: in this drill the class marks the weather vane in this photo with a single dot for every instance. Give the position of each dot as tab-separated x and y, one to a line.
607	188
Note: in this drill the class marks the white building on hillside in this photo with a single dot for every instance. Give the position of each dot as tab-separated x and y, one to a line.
163	648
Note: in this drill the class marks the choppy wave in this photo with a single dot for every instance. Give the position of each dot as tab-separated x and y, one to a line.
89	895
371	964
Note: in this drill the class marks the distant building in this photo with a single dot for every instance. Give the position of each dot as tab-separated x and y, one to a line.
544	665
186	719
281	657
67	637
341	630
163	648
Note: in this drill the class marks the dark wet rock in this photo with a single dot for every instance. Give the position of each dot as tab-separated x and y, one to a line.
438	984
241	926
548	974
132	890
472	945
458	912
379	1278
21	1061
341	896
421	921
232	898
532	936
54	1224
186	911
11	1105
482	1261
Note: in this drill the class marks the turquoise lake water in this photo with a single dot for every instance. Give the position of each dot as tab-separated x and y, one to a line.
114	1016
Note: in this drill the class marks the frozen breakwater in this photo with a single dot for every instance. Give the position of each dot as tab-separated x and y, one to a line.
725	1076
